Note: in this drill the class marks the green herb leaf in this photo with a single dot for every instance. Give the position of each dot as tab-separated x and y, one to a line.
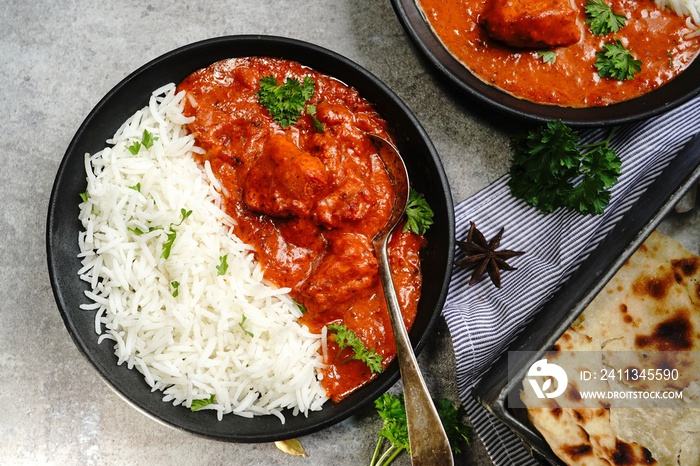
346	338
241	323
615	61
84	196
148	139
547	56
136	187
318	126
602	19
419	215
167	246
394	428
183	215
135	147
223	265
549	170
392	410
301	307
175	285
451	418
199	404
285	102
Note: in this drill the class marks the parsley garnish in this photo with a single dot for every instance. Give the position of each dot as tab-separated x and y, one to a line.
602	19
240	324
172	234
135	147
392	410
147	140
199	404
223	265
136	187
346	338
301	307
549	170
419	215
175	285
285	102
547	56
615	61
84	196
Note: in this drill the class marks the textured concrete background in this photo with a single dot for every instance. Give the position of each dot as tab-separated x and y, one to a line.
59	58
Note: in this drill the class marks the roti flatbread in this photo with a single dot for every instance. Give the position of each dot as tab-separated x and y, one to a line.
646	317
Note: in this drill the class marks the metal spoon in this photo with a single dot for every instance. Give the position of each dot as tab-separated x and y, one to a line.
429	444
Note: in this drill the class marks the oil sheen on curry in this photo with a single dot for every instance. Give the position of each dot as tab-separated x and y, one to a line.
309	201
502	41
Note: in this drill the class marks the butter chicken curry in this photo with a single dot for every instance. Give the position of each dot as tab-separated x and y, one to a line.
309	197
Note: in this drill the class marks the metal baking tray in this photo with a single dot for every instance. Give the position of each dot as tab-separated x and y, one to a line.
653	207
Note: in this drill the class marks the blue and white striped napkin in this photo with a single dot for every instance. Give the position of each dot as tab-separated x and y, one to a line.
482	319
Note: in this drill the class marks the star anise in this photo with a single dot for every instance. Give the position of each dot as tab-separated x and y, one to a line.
483	255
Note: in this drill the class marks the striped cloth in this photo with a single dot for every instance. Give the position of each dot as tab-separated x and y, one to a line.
482	319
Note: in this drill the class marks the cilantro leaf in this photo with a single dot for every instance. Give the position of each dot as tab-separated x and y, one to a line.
547	56
549	170
172	234
602	19
135	147
241	323
167	246
615	61
346	338
285	102
199	404
148	139
394	428
175	284
223	265
419	215
451	418
392	411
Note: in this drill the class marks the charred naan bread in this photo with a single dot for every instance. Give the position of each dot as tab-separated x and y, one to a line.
646	317
581	433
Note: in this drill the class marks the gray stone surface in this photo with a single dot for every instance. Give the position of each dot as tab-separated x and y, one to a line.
58	59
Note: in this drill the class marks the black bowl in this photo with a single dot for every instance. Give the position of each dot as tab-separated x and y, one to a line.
131	94
681	89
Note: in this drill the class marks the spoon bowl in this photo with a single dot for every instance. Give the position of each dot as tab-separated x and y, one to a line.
427	438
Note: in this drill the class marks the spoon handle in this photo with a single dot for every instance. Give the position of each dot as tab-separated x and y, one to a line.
426	435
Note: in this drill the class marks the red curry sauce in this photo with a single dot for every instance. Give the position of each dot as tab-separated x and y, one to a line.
309	202
654	36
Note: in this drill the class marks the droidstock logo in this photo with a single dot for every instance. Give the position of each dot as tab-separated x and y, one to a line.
542	370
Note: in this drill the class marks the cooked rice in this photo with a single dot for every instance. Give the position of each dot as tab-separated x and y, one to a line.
688	8
232	335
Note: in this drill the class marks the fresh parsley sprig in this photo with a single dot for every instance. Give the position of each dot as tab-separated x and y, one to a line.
286	101
547	56
172	234
550	170
346	338
419	215
601	19
147	140
392	410
615	61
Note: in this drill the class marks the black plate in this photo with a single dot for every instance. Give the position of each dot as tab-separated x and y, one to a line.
131	94
501	385
680	90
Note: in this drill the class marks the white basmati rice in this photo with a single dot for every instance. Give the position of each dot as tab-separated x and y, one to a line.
688	8
230	335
